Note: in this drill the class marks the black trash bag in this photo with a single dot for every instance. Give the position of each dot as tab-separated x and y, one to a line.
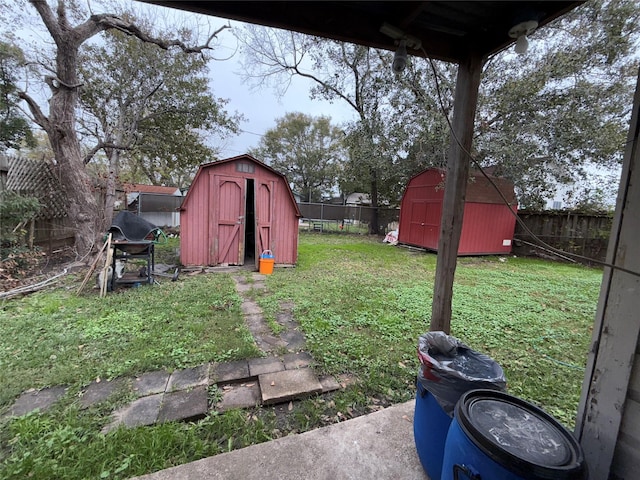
450	369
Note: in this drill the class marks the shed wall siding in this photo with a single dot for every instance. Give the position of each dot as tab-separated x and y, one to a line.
285	228
485	228
487	222
195	226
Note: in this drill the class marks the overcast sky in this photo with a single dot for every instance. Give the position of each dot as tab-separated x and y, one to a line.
260	109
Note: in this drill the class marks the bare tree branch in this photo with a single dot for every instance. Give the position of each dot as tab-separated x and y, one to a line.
38	116
106	22
54	83
100	146
49	19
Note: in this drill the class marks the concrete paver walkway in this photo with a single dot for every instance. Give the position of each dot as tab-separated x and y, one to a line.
377	446
186	395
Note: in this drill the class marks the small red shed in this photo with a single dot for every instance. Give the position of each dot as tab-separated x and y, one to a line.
236	209
487	226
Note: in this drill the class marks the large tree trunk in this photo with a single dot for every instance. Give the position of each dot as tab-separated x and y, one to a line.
82	208
60	126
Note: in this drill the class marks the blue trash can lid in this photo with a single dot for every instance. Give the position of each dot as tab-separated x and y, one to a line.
520	436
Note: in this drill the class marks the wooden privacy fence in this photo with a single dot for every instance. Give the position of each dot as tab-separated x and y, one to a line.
582	234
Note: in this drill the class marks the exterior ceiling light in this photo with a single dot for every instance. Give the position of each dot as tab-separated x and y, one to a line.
520	32
403	41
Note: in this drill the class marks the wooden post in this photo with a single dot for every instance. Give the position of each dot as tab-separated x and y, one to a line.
464	111
105	270
607	421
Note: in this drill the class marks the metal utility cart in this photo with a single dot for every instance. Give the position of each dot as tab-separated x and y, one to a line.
125	250
133	237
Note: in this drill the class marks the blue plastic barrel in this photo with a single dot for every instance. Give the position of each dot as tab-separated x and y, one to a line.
496	436
430	427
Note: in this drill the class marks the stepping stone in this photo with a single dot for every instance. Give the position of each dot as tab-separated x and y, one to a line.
250	308
143	411
239	396
98	392
184	405
297	360
294	339
266	342
329	383
151	383
288	384
258	366
39	399
242	287
188	378
229	372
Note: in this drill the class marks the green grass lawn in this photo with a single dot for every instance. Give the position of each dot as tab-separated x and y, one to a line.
362	305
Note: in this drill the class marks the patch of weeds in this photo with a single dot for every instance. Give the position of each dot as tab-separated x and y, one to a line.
281	351
214	394
168	252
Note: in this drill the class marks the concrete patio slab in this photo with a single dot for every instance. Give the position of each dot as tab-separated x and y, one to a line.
151	383
258	366
250	307
288	384
36	400
329	383
188	378
294	340
184	405
376	446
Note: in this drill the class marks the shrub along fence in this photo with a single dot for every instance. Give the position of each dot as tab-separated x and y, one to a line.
579	233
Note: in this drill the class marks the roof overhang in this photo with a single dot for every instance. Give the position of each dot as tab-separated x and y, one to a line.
448	30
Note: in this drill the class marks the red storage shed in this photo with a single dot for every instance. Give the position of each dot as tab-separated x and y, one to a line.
236	209
488	223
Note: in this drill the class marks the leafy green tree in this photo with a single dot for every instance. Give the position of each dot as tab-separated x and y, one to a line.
544	119
70	27
148	109
14	127
307	150
15	211
547	118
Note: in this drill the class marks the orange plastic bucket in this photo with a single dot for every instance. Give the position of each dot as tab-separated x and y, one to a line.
266	263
